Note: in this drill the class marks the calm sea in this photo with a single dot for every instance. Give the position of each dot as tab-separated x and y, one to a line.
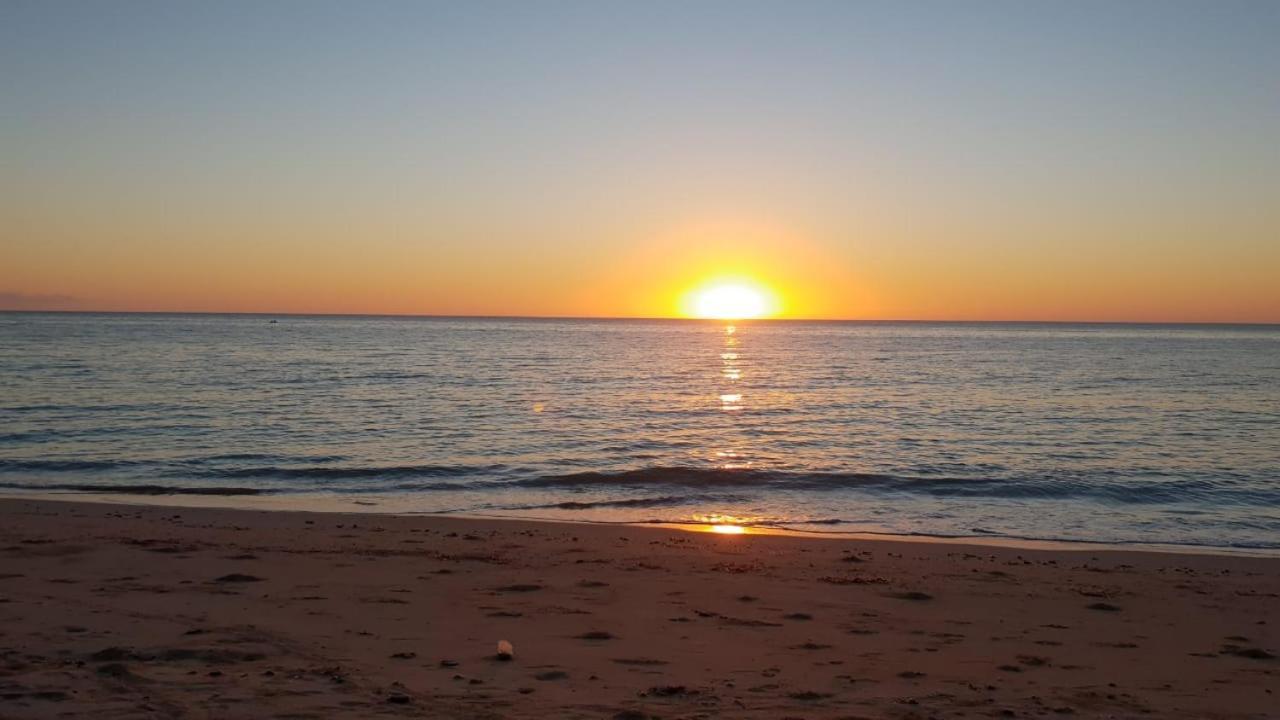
1111	433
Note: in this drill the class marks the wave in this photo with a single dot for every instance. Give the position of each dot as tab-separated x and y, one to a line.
132	489
691	476
230	457
1134	487
63	465
1102	486
650	502
347	472
979	534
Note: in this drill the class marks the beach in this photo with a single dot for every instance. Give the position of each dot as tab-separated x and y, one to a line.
116	610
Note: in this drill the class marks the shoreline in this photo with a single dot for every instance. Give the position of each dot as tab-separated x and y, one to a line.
115	610
342	504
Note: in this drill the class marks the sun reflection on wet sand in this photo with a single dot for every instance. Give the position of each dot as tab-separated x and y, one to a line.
728	529
721	524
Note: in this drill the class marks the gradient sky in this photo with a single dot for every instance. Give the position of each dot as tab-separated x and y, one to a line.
948	160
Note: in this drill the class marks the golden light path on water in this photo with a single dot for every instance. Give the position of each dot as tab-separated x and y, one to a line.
730	371
730	300
731	400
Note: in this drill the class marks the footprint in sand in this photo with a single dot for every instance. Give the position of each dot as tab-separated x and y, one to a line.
237	578
518	588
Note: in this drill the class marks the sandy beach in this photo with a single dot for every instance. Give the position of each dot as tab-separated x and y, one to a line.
148	611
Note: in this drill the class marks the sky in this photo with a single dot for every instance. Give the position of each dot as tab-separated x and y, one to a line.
1106	161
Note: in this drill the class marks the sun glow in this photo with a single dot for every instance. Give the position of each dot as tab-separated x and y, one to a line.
730	300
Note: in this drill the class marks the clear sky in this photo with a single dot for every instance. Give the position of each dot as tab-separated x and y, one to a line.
914	160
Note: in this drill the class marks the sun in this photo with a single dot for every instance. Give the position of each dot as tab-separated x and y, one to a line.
729	300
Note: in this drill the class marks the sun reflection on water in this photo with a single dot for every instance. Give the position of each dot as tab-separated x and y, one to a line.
730	372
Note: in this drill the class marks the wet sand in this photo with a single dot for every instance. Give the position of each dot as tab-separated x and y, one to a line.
148	611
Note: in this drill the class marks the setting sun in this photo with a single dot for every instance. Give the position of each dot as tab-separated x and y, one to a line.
735	300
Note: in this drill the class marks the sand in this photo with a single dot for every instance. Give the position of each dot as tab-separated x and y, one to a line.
132	611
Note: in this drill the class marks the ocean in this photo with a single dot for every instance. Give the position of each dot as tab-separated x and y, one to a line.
1149	434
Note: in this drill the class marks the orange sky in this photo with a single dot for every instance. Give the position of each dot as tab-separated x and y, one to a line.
643	276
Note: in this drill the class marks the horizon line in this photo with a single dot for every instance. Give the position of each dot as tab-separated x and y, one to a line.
635	318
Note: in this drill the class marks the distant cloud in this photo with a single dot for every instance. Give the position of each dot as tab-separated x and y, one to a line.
29	301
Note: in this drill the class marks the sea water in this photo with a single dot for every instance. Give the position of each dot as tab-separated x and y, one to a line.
1099	433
